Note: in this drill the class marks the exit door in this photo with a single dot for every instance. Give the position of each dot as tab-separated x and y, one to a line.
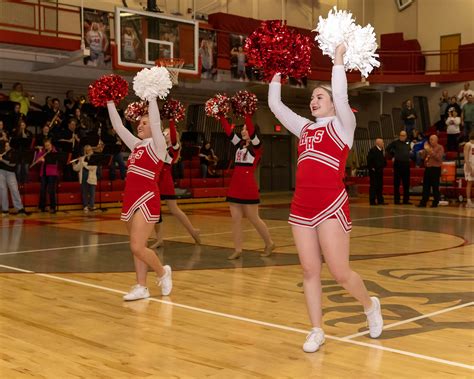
275	170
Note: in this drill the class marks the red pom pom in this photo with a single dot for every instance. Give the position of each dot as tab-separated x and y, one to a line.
218	106
173	110
108	88
276	48
244	103
135	111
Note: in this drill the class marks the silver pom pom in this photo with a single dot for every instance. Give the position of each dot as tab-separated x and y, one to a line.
151	83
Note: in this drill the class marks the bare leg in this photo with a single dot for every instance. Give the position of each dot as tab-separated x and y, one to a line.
335	246
183	219
139	231
309	252
468	190
158	236
141	268
251	212
236	212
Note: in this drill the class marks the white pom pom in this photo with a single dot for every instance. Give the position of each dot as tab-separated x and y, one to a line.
151	83
339	27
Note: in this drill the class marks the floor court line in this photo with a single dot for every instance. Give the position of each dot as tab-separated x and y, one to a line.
413	319
252	321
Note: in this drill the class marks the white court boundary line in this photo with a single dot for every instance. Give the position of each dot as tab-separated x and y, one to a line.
412	319
168	238
252	321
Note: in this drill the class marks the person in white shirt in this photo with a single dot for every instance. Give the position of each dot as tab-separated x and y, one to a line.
453	123
464	94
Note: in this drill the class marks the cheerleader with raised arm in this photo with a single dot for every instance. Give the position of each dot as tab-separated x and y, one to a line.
166	186
141	204
243	195
319	212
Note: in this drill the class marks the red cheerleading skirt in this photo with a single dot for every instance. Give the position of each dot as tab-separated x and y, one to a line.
243	187
311	206
143	198
166	184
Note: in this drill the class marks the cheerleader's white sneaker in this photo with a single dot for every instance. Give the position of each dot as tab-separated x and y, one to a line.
165	282
314	340
374	318
136	293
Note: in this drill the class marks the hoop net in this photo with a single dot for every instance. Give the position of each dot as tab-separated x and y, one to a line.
173	65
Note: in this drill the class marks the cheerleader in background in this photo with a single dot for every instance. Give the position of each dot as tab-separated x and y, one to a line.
166	185
141	205
320	207
243	195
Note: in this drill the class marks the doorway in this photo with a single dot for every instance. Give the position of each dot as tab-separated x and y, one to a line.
275	170
449	47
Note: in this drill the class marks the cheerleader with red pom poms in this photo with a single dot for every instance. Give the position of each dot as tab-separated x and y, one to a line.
166	183
243	195
320	206
141	204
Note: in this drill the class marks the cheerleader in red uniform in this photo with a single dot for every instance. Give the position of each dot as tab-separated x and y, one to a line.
319	212
243	195
141	204
166	186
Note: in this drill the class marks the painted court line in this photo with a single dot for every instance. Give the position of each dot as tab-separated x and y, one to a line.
252	321
412	319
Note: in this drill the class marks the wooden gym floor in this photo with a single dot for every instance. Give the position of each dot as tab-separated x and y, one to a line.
62	278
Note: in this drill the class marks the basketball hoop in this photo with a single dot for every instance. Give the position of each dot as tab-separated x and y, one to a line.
173	65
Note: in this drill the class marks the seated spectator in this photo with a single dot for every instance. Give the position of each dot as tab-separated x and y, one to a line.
3	133
453	123
114	144
19	96
8	181
417	145
208	158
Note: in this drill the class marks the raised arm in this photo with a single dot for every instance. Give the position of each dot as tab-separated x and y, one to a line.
234	138
128	138
251	130
155	126
173	135
339	92
285	115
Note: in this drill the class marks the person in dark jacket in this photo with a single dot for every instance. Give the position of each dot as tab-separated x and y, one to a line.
376	163
400	151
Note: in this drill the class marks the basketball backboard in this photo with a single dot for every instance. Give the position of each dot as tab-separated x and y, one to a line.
144	37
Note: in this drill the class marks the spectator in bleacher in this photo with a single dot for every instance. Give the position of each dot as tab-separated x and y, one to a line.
207	157
110	138
70	104
49	177
433	155
400	151
453	104
417	145
467	117
375	164
453	123
87	178
464	95
408	115
8	181
469	168
443	107
22	97
3	133
43	136
48	104
21	140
